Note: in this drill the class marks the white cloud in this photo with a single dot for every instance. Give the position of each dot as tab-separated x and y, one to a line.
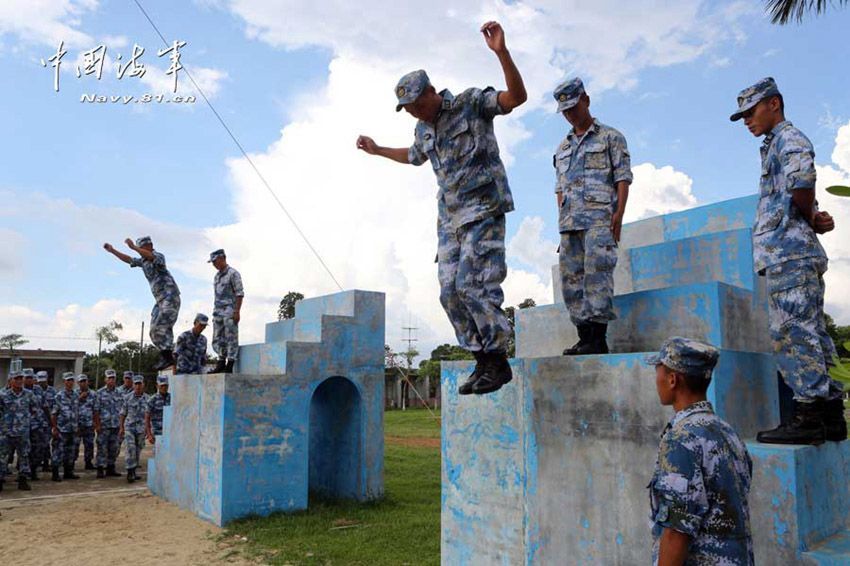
530	247
658	190
47	21
11	260
208	79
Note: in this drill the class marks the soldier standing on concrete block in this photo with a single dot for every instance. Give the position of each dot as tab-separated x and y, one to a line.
593	171
455	133
66	416
191	348
132	425
165	293
86	429
153	411
17	407
107	409
226	312
698	492
787	252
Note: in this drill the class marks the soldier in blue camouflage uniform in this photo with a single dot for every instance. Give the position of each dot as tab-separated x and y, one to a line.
107	410
165	293
593	171
786	250
153	412
36	423
191	349
40	449
49	396
455	133
17	408
66	415
86	429
698	493
132	425
226	312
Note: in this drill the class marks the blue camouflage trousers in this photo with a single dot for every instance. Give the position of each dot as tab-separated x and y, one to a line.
163	317
39	446
63	449
225	341
471	268
586	261
134	442
802	348
11	445
86	437
107	447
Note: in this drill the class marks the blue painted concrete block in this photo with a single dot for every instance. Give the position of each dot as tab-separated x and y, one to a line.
299	417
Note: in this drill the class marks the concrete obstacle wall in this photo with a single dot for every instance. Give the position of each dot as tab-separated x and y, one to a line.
553	468
303	413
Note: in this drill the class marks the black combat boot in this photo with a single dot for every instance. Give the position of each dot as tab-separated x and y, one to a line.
836	425
69	474
23	484
228	368
219	367
1	485
45	467
131	475
466	387
599	337
33	474
100	474
166	360
111	473
89	465
56	476
584	331
806	426
496	373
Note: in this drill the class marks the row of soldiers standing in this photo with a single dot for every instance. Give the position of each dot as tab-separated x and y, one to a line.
44	427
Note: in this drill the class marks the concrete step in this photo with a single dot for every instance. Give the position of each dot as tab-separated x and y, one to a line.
834	551
306	326
802	496
721	314
556	463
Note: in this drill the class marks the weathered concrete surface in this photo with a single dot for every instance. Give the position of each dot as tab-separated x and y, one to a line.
727	316
243	443
556	463
802	494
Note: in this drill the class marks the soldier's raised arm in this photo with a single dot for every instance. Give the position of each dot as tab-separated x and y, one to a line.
509	99
397	154
123	257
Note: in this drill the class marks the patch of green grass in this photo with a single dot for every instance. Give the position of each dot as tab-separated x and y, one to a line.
401	528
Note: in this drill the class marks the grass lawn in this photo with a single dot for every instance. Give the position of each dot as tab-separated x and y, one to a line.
402	528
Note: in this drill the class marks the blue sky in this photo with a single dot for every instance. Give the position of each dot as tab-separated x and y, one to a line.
298	81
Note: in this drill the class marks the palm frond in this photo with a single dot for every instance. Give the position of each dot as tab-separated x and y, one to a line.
782	11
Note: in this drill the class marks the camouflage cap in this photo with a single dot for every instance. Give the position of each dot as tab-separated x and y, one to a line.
82	377
68	375
143	241
15	375
568	93
41	376
752	95
138	378
128	374
27	372
162	380
215	255
109	373
410	86
687	356
202	318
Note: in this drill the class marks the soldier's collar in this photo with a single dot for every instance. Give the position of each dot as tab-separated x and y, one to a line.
448	99
594	127
776	129
698	407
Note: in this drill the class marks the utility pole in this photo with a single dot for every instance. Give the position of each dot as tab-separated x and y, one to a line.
410	340
141	347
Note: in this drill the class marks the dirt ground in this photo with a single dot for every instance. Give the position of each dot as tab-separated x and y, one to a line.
93	522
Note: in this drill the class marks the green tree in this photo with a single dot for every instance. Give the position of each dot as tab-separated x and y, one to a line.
286	309
442	353
782	11
12	341
109	335
510	312
840	336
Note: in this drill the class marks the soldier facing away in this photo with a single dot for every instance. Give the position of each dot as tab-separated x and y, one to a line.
107	410
17	407
132	426
226	312
165	293
191	349
698	492
86	422
787	252
65	419
455	133
593	170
